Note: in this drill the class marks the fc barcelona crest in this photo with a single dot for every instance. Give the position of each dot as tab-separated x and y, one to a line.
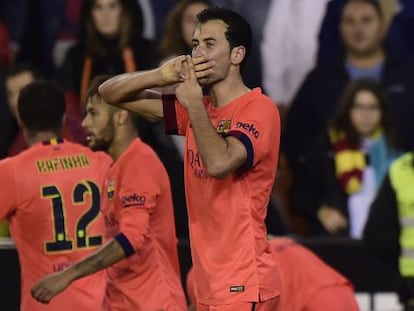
111	189
223	126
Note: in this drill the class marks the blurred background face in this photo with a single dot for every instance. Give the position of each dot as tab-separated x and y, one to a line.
98	125
361	28
188	22
107	16
366	113
14	84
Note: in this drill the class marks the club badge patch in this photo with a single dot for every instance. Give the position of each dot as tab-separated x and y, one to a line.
110	189
223	126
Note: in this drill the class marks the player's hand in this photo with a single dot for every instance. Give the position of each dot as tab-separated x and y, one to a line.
203	68
173	70
332	219
189	91
49	287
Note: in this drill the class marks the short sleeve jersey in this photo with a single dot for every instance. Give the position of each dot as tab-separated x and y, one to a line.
50	195
303	274
230	251
138	212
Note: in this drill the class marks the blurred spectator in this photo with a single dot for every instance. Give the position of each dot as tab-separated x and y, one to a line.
179	28
68	31
255	13
362	31
110	42
390	226
289	46
160	9
42	24
400	32
18	77
308	283
148	22
347	165
14	14
330	41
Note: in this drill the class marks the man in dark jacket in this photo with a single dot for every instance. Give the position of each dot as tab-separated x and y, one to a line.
362	30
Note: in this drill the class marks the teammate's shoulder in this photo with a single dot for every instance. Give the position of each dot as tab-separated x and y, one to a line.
7	161
7	166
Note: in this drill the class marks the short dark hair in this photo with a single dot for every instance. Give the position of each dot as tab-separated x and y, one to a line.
238	30
41	106
94	91
95	83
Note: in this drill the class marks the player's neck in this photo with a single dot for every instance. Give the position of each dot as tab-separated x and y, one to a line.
32	138
120	144
227	90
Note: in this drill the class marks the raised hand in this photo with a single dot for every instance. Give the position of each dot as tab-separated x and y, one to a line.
203	68
50	286
174	70
189	91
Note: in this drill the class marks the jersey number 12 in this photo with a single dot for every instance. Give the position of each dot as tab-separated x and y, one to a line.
61	242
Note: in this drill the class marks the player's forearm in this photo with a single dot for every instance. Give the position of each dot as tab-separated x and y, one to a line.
128	86
107	255
215	151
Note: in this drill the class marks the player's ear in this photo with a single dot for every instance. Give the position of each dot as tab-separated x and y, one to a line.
122	116
237	54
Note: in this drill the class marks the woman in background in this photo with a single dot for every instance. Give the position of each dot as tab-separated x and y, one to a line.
348	164
110	42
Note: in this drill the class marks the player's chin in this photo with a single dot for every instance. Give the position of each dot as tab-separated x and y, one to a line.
204	81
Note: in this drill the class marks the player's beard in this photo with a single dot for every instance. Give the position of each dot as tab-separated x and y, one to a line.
105	139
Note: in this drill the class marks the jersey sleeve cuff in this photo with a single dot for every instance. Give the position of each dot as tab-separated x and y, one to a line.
245	140
170	116
125	244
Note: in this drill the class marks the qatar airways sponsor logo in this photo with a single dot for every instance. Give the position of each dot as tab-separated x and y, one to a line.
248	127
197	166
60	266
133	200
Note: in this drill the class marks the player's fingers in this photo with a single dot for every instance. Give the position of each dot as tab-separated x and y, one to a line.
180	59
184	71
199	60
191	69
181	66
204	66
36	291
44	296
